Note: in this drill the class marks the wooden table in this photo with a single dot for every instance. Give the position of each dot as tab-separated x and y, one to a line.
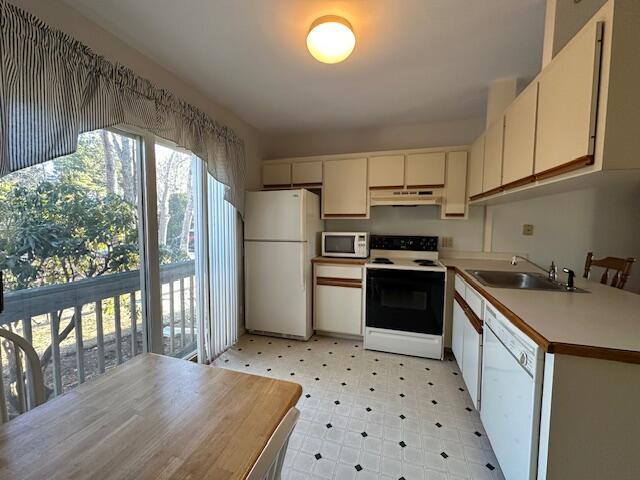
153	417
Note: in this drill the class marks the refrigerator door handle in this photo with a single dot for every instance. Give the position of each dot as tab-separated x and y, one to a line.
302	258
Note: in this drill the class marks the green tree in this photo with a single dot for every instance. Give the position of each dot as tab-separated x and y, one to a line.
61	232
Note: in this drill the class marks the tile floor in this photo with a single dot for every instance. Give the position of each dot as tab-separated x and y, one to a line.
371	415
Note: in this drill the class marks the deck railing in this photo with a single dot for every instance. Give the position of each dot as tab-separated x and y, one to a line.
82	328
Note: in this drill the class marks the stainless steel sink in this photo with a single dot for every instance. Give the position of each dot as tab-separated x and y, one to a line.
518	280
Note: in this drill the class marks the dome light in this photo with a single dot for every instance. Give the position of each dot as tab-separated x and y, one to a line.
331	39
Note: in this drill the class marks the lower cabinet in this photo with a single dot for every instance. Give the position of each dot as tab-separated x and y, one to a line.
338	299
457	335
339	309
472	361
466	343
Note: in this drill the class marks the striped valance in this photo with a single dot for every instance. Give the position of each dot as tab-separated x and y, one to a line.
53	87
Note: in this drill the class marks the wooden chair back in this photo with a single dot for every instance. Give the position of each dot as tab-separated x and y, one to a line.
28	388
621	267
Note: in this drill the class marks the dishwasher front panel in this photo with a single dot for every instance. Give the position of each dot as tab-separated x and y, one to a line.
510	410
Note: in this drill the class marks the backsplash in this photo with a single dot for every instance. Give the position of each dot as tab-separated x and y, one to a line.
420	220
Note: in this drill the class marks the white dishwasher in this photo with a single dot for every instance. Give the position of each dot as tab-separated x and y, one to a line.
512	369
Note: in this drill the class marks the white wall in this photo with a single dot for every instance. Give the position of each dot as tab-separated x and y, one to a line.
59	15
568	225
421	220
455	132
570	17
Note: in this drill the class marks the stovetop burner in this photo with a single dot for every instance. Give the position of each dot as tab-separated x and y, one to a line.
383	260
425	263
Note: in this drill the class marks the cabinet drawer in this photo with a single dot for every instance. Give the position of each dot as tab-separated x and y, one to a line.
335	271
460	286
475	301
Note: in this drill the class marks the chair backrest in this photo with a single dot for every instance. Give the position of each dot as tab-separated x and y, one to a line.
29	385
621	266
269	463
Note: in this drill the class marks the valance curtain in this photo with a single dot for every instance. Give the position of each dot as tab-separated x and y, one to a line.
53	87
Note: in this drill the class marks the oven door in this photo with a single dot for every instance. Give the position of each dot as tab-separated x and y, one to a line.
405	300
339	245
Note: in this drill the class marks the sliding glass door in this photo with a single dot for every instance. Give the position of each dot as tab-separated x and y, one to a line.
70	255
177	174
123	247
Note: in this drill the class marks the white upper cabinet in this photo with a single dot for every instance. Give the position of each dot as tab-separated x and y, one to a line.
520	136
455	191
492	171
585	117
306	174
345	191
276	175
476	163
567	103
425	170
386	171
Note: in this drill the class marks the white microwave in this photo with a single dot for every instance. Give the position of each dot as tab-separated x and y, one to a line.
345	244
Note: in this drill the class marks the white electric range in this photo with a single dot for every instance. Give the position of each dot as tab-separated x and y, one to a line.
404	299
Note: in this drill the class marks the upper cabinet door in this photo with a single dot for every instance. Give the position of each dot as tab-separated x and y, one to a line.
476	163
306	174
492	171
425	170
345	191
520	136
386	171
455	190
276	175
567	104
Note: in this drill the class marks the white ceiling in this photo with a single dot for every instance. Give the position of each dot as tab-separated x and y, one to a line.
415	61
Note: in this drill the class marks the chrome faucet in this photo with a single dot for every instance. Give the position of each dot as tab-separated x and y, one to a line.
552	272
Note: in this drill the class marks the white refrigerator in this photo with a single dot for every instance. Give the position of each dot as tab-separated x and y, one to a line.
281	236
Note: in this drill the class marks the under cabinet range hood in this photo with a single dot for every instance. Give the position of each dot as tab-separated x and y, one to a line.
408	197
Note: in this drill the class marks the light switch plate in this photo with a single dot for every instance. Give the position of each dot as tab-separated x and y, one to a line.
446	242
527	229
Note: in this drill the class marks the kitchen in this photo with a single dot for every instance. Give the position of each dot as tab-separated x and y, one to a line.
421	263
380	273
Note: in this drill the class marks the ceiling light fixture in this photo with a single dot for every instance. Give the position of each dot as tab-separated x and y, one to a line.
331	39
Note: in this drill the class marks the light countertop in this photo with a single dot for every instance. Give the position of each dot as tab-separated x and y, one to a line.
604	323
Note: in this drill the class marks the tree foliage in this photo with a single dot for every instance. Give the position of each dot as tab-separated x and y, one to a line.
62	221
61	232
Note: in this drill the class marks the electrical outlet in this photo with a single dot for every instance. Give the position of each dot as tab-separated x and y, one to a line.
446	242
527	229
